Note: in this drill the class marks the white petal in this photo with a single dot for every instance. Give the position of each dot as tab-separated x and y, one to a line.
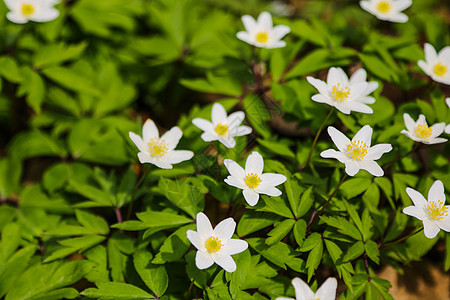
241	130
177	156
412	136
424	66
421	120
343	77
196	240
234	246
268	190
45	15
203	260
244	36
251	197
254	163
272	179
203	124
437	129
371	87
447	129
436	141
377	151
137	140
409	123
218	114
147	158
279	44
172	137
338	138
342	107
321	86
149	131
417	198
359	75
359	107
225	229
414	212
430	229
280	31
334	77
364	135
430	53
227	142
284	298
302	290
16	17
204	227
401	4
447	100
322	99
444	54
399	18
234	168
226	262
357	90
331	153
249	23
372	167
208	137
235	119
436	192
327	290
351	168
265	21
233	181
444	223
366	6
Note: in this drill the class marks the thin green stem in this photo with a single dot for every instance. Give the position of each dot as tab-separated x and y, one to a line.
317	137
401	239
133	194
192	285
317	213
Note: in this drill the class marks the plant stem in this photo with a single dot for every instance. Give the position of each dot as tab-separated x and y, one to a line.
401	239
133	194
192	285
118	215
317	137
318	213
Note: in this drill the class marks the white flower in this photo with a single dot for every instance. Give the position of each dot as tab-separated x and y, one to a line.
387	10
437	66
252	180
447	129
215	245
22	11
327	290
344	94
433	213
420	132
159	151
357	153
222	128
261	33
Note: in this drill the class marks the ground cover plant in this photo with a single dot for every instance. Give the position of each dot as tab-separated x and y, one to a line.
221	149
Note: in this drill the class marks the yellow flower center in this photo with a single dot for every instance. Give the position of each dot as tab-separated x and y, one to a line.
357	150
27	9
423	131
213	244
440	69
157	147
340	93
384	6
252	180
437	210
262	37
222	129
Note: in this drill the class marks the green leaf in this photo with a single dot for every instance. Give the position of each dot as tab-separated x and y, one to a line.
280	231
257	114
314	258
175	246
277	148
34	87
300	232
293	192
306	201
54	54
372	251
274	205
55	177
356	250
72	80
95	223
354	215
9	69
74	245
116	290
183	194
355	186
253	221
10	241
154	276
162	220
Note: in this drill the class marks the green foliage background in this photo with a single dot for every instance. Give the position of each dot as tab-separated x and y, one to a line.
72	89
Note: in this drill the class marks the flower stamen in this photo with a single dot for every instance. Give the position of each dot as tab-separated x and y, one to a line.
340	93
437	210
262	37
423	131
213	244
384	6
27	9
357	150
440	69
158	147
222	129
252	180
